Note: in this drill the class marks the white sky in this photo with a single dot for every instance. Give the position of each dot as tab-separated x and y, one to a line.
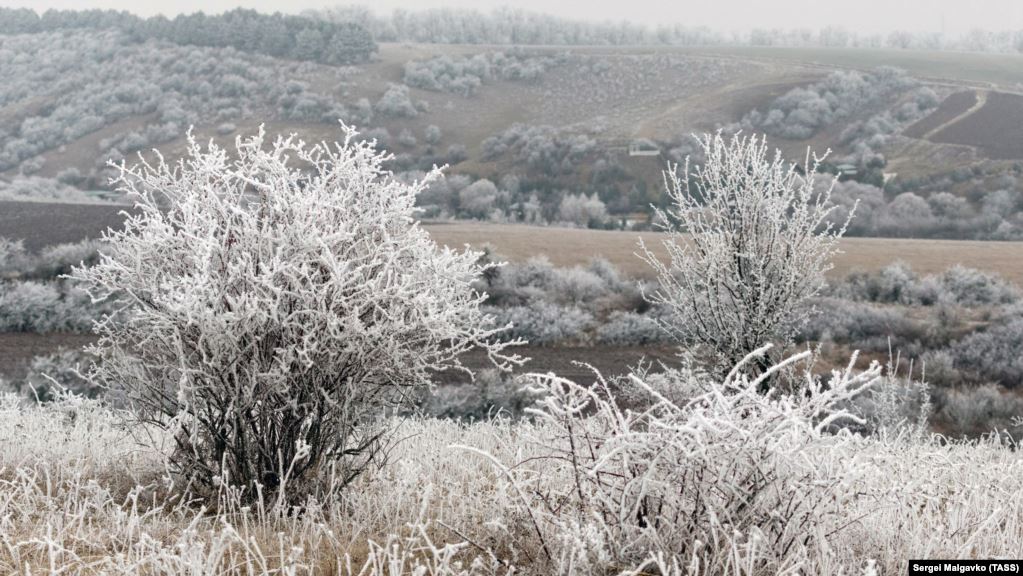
860	15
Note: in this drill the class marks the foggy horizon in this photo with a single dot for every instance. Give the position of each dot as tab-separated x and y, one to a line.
947	16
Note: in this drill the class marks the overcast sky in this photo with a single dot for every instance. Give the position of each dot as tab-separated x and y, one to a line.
861	15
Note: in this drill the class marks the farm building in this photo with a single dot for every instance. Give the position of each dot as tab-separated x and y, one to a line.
643	147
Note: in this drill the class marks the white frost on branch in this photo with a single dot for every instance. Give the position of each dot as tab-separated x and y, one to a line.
749	241
280	295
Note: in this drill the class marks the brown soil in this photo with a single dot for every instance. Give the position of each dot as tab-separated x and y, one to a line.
570	247
994	129
948	110
42	224
19	348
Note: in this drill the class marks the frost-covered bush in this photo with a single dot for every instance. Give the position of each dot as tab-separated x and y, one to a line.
596	287
493	393
443	73
396	102
280	302
406	138
540	322
949	206
381	137
866	326
976	410
61	371
865	203
58	259
432	134
465	75
545	148
908	210
895	405
894	283
631	329
749	243
29	306
897	283
49	263
971	287
13	256
518	283
582	210
730	478
995	354
801	112
477	199
456	153
580	286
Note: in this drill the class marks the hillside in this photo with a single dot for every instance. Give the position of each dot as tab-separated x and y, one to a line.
538	134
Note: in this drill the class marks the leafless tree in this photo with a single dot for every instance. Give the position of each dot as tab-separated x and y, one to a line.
749	240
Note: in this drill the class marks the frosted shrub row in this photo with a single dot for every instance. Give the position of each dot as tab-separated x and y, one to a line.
717	479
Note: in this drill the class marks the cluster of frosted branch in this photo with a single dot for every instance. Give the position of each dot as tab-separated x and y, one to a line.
278	297
724	481
749	242
689	477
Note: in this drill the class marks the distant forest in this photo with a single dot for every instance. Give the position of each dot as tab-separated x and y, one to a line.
277	35
348	34
515	26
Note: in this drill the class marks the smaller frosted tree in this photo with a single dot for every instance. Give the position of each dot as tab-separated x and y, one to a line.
749	241
279	302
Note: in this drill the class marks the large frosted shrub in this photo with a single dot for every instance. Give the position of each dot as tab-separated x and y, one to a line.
396	102
897	283
844	321
724	474
632	329
493	394
995	354
28	306
542	322
971	287
749	243
283	299
582	210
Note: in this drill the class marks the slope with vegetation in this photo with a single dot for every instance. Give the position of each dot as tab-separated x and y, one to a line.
528	132
274	35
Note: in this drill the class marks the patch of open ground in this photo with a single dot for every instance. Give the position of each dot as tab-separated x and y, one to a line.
42	224
950	110
569	247
17	349
994	128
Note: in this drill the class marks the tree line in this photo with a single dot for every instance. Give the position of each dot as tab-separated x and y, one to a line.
516	26
277	35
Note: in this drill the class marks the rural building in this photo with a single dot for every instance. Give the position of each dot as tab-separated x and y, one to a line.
643	147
